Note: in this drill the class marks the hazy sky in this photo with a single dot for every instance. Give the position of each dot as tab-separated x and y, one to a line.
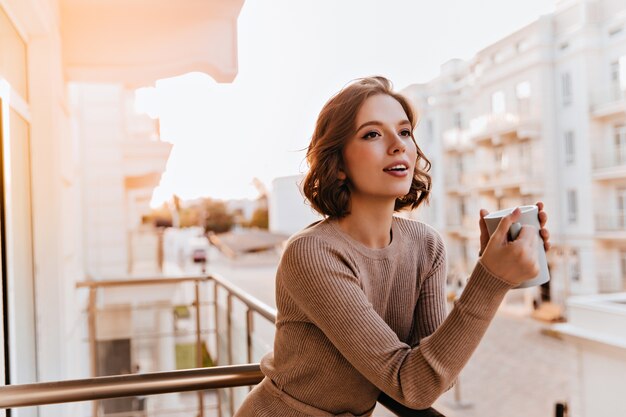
293	55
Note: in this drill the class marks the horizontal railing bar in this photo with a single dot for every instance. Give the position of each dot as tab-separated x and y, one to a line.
252	302
139	281
43	393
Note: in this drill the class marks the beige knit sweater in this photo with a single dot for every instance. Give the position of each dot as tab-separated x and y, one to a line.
354	321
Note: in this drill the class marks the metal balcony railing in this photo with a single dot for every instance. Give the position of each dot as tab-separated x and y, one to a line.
611	222
610	158
224	378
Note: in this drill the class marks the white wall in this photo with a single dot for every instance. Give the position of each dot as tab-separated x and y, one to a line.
288	212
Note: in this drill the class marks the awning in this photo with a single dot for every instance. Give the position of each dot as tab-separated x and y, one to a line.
136	42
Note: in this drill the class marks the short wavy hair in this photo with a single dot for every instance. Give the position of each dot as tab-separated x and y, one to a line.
328	194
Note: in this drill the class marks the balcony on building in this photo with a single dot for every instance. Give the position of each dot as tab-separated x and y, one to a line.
609	164
506	176
457	140
596	326
608	102
461	225
611	225
497	128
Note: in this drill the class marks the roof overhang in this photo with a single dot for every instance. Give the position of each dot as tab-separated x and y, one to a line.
136	42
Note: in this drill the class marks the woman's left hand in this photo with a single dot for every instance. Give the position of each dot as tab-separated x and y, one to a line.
543	232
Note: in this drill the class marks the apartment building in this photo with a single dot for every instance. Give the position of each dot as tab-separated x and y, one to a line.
49	192
538	115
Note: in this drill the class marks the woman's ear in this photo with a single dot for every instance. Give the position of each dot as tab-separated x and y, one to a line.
341	175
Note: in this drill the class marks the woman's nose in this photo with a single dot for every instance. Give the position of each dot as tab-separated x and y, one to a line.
398	145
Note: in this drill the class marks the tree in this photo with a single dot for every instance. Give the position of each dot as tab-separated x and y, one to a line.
260	218
217	217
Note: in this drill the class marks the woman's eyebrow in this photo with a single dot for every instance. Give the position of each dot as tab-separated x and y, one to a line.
377	123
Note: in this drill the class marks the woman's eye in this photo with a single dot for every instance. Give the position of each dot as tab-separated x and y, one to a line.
405	133
371	135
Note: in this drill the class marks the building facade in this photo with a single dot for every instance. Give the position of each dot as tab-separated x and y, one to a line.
48	194
538	115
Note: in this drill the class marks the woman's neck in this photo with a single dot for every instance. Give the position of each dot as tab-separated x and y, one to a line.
369	222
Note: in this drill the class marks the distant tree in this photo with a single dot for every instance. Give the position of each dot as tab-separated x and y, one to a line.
190	216
217	217
260	218
159	217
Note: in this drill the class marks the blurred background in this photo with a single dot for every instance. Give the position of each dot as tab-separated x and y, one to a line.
150	161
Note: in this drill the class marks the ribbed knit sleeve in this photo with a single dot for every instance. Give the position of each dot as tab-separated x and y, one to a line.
431	307
327	290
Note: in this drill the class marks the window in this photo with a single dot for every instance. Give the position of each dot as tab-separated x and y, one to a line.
498	102
619	138
522	45
572	206
566	88
618	77
13	61
574	264
622	264
526	165
621	208
522	90
430	129
569	147
458	120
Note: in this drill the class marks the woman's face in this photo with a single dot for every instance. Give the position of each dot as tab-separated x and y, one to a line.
380	157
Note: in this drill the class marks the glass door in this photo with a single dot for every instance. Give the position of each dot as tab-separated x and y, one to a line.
18	277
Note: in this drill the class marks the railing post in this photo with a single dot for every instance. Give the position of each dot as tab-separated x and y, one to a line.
198	346
249	330
217	339
93	345
229	321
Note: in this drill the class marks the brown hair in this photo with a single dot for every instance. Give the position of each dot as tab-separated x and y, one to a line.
335	124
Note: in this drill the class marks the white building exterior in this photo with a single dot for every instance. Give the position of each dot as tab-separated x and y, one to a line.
288	210
122	159
537	116
50	195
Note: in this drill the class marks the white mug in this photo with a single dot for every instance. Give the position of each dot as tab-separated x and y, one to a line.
530	216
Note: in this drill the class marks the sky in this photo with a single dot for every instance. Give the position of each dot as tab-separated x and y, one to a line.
293	56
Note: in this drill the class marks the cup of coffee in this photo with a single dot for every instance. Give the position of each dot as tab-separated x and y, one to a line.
529	216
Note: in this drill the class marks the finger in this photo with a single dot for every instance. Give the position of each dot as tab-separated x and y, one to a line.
484	232
539	205
545	235
527	235
505	223
543	218
482	223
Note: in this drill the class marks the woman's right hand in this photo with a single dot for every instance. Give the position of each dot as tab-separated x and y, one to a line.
516	261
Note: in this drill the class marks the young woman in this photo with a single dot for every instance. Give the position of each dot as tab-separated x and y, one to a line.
360	295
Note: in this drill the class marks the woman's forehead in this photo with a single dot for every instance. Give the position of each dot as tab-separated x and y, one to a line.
382	108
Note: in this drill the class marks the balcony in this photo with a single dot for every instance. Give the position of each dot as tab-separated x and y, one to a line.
518	179
458	182
462	226
607	103
611	226
177	322
456	140
596	328
610	164
494	129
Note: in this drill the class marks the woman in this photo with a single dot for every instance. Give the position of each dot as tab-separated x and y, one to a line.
360	295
